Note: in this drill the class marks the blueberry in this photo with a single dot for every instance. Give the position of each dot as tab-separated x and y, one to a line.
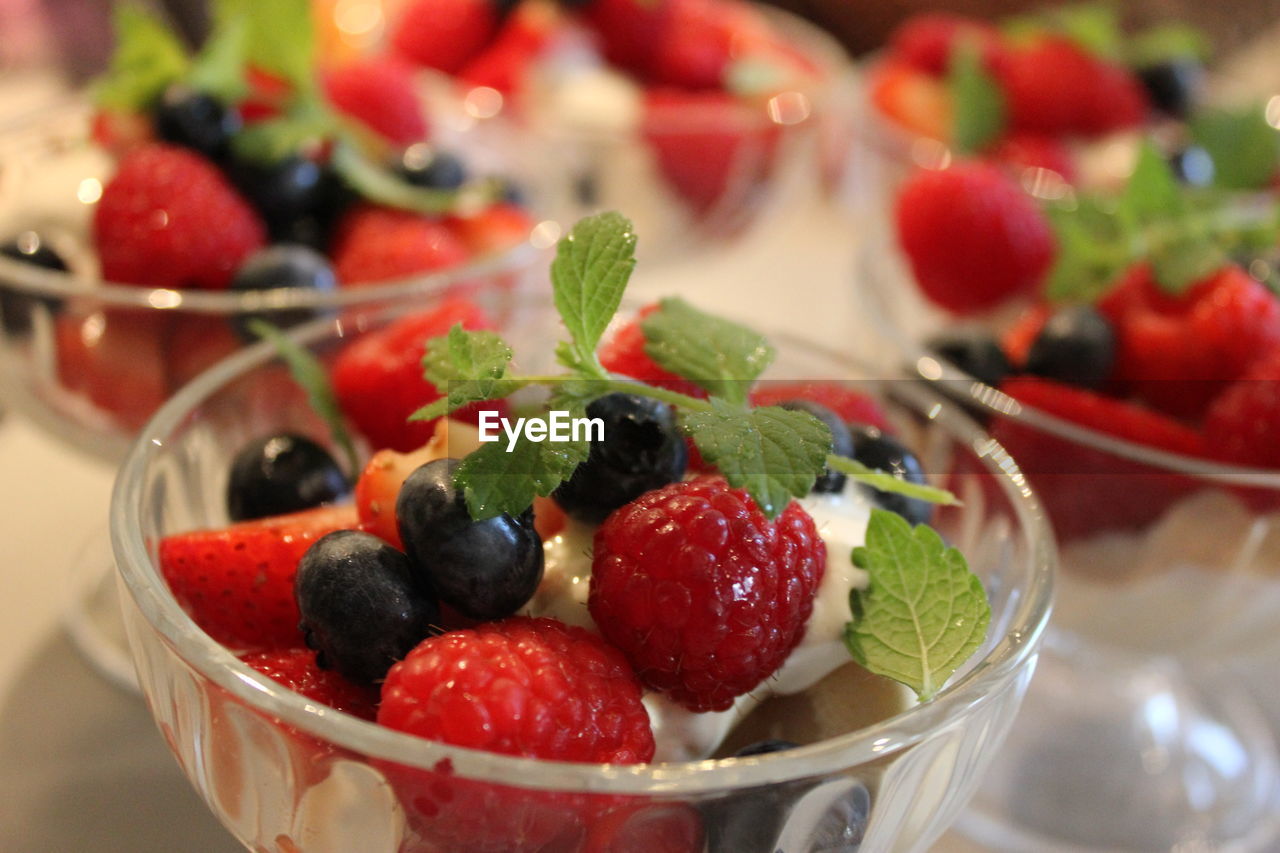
642	450
16	307
280	474
298	198
197	121
1077	346
1193	166
483	569
283	265
884	453
1174	86
360	607
764	747
828	481
423	166
798	815
974	352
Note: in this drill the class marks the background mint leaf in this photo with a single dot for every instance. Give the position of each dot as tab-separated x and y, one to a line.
219	69
718	355
375	183
276	139
1169	42
147	58
496	481
773	453
923	614
311	376
591	269
1152	193
1094	249
1245	149
467	367
978	101
886	482
281	38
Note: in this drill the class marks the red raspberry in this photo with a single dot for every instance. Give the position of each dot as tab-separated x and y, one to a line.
297	670
624	353
375	244
926	41
1244	421
380	94
444	34
169	219
531	687
1055	87
973	238
853	406
704	595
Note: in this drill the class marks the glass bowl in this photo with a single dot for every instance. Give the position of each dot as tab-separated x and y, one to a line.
91	360
1141	733
693	172
283	774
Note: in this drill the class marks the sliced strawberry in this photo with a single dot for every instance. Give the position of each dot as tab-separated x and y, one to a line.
237	582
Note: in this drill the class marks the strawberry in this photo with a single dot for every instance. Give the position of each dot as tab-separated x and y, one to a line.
853	406
168	218
237	582
628	29
268	95
378	378
624	353
380	94
973	238
1054	87
715	160
504	63
297	670
1244	419
496	228
116	358
696	46
911	98
1017	339
374	244
926	41
1033	151
703	595
444	34
121	133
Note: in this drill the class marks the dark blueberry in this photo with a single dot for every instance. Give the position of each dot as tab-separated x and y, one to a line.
1173	87
641	450
361	609
974	352
280	474
282	265
828	481
1077	346
586	189
423	166
16	307
764	747
885	453
197	121
797	815
483	569
1193	166
298	198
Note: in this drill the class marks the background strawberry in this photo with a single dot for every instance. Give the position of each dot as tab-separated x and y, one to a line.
443	34
379	93
373	244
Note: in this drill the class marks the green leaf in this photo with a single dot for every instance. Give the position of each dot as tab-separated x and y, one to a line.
718	355
281	38
311	376
1093	26
469	367
378	184
1094	248
1245	149
1152	193
591	269
773	453
219	68
923	613
497	480
1168	42
885	482
147	58
277	139
979	104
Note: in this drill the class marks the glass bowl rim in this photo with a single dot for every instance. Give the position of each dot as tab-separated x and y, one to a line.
1015	650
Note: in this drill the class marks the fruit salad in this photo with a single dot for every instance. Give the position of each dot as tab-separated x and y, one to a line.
250	175
633	597
1067	91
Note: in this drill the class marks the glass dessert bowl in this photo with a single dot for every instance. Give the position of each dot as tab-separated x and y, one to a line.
284	773
1144	730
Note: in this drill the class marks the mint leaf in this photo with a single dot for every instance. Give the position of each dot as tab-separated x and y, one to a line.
147	58
1094	248
885	482
773	453
718	355
1169	42
378	184
591	269
219	68
1152	193
923	614
311	376
469	367
281	38
277	139
1244	148
497	480
1093	26
980	110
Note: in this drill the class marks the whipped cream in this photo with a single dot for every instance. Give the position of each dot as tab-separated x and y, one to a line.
682	735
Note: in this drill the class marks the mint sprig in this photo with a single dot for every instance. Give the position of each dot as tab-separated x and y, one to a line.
923	614
148	57
773	453
980	114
